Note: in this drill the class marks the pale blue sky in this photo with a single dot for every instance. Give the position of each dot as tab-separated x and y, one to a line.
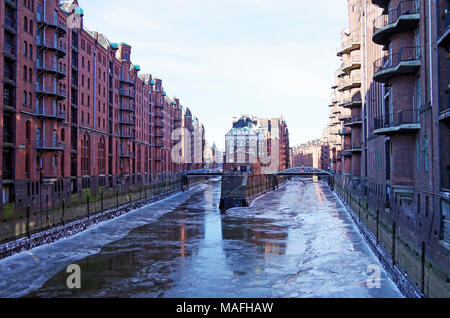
227	58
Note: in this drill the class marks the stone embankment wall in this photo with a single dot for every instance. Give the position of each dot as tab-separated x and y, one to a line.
241	190
410	266
20	232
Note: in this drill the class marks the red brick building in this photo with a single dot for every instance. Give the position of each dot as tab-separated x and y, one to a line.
76	113
389	131
312	154
250	145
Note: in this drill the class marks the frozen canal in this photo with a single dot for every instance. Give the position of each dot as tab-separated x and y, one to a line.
297	241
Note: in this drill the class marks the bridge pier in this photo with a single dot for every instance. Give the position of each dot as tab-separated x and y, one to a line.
241	190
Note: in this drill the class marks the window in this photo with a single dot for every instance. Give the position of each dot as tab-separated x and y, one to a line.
426	155
30	51
101	156
25	49
85	154
25	73
28	132
25	24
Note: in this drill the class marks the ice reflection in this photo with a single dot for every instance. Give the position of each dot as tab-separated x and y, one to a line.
294	242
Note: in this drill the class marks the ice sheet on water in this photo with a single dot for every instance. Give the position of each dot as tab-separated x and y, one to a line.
27	271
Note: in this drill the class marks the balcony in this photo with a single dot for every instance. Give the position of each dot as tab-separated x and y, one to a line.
354	121
10	51
352	63
159	106
52	146
51	114
60	48
350	82
59	93
127	93
126	154
444	111
59	25
159	124
9	76
404	18
352	102
158	115
336	110
126	80
444	30
344	131
350	44
58	70
126	135
126	107
126	121
405	121
355	147
405	61
345	118
381	3
10	24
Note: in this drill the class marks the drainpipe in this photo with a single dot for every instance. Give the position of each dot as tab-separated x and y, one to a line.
94	98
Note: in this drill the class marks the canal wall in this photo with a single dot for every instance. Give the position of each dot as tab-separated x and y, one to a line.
241	190
20	232
415	272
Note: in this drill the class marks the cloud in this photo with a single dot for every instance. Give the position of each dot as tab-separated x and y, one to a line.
226	58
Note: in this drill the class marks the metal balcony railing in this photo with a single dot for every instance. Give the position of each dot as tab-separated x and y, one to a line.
59	46
352	41
60	92
51	68
127	93
126	121
127	107
54	23
409	116
50	145
11	22
404	8
10	49
445	103
8	74
126	154
404	54
54	113
445	22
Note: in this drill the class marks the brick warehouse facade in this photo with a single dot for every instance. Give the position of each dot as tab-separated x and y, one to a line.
76	114
245	143
315	153
389	132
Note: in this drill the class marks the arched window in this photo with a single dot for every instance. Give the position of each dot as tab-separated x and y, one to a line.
25	24
101	156
63	135
85	154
